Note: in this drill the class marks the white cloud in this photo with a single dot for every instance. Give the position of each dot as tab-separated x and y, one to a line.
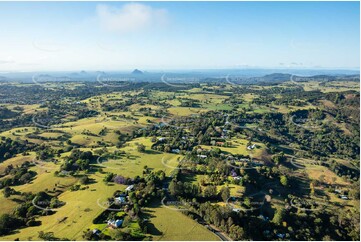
130	17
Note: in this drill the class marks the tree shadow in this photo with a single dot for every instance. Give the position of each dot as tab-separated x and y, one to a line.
152	152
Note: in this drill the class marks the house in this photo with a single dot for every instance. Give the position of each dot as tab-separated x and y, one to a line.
121	199
237	178
175	151
161	139
160	125
251	147
202	156
165	187
257	162
344	197
263	218
220	143
281	236
63	172
129	188
237	210
244	160
115	223
96	231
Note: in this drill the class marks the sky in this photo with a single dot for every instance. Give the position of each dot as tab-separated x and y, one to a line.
101	36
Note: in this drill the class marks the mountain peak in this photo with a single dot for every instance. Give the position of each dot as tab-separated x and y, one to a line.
136	71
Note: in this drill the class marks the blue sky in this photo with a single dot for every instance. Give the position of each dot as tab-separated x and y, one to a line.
178	35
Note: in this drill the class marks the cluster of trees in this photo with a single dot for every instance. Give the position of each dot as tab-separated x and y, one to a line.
221	216
6	113
16	176
10	148
25	214
118	179
78	160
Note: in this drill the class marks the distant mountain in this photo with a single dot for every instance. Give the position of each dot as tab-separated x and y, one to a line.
100	72
137	72
276	77
81	73
44	76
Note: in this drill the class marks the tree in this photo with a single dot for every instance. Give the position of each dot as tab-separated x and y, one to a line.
8	191
229	222
279	158
25	178
109	177
278	217
236	232
116	234
175	188
247	202
47	236
210	191
84	180
225	193
141	148
284	180
7	223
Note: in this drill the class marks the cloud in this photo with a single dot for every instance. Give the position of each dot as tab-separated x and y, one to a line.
8	60
47	46
130	17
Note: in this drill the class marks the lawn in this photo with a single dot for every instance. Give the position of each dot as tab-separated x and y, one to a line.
132	164
81	208
168	224
185	111
239	146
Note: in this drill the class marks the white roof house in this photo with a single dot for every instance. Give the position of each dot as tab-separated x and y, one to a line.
115	223
251	147
202	156
175	151
129	188
344	197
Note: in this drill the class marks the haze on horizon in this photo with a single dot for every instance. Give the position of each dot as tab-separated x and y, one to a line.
57	36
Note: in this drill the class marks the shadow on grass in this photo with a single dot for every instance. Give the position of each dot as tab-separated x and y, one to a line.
152	152
147	214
